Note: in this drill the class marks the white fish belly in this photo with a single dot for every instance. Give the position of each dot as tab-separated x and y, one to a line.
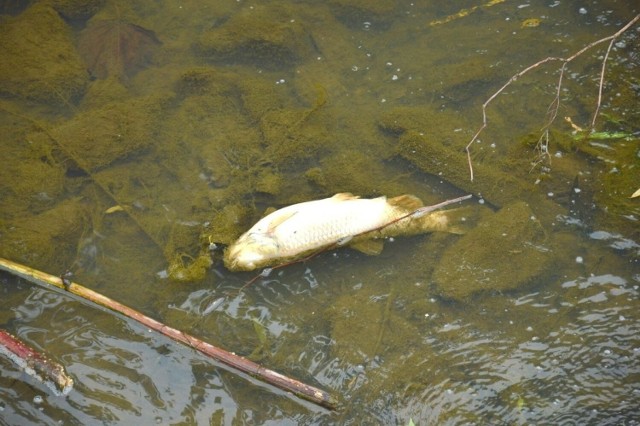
320	223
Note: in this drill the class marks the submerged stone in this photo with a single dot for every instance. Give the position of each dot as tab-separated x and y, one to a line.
365	326
266	37
39	59
505	252
364	14
98	137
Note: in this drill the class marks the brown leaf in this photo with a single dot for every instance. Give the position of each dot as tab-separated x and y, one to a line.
114	47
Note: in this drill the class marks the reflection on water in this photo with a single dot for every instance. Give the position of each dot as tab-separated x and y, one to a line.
190	151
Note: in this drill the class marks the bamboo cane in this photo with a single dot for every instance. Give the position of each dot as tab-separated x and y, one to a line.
236	362
36	364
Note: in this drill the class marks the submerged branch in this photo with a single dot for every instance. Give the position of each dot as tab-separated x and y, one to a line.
232	360
36	364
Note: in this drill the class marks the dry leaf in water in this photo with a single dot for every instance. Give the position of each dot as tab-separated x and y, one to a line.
635	194
114	47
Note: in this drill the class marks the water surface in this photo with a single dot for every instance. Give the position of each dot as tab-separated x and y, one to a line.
127	177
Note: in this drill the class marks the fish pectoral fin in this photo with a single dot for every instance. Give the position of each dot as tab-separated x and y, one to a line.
279	220
371	247
406	202
343	196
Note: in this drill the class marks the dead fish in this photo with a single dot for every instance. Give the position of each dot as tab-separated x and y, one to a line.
297	231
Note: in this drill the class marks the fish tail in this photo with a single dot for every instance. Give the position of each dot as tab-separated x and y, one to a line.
455	221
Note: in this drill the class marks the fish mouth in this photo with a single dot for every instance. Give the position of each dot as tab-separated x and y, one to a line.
250	252
232	258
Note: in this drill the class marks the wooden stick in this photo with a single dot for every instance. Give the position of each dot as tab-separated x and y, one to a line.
36	364
555	104
236	362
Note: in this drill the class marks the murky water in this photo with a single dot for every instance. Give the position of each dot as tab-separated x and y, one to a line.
129	175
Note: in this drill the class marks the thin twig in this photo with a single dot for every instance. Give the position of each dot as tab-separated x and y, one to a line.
555	104
604	65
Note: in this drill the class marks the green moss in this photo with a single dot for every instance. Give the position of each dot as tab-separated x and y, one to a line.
354	12
269	182
46	241
185	269
618	179
494	185
39	59
227	224
365	326
475	263
315	175
264	36
77	9
98	137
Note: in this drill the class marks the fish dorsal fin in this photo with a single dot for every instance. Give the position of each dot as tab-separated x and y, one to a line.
343	196
406	202
279	219
371	247
268	211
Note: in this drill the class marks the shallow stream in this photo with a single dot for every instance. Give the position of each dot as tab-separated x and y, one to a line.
132	168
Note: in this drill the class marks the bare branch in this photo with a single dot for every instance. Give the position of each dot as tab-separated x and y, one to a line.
555	104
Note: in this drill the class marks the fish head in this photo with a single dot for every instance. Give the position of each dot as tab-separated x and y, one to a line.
251	251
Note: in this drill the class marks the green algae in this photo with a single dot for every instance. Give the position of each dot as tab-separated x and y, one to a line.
475	262
98	137
186	269
227	224
366	324
264	36
48	240
354	13
39	59
77	10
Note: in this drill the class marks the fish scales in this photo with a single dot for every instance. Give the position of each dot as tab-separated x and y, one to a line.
317	225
